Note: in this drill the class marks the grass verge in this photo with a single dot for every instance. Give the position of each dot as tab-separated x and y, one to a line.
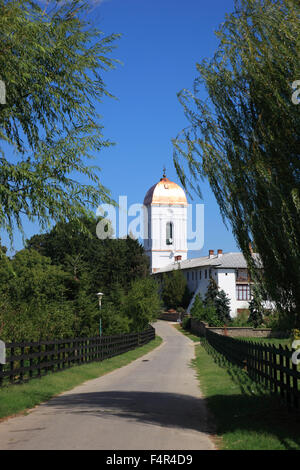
187	333
19	398
246	416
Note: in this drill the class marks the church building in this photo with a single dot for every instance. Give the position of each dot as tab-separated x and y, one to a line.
165	225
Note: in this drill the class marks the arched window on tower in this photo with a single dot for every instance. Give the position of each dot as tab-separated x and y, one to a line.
169	233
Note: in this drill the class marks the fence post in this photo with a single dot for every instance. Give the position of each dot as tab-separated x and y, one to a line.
295	386
31	360
11	364
281	383
288	377
39	360
22	364
55	355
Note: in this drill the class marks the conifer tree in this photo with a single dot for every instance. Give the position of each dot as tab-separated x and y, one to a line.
197	309
256	309
223	307
212	292
219	300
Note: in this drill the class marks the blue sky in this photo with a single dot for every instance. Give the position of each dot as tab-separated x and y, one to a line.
162	40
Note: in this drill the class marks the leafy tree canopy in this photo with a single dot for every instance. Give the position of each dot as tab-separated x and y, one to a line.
175	292
245	139
109	264
52	63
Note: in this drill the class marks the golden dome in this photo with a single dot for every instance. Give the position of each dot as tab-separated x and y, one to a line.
165	192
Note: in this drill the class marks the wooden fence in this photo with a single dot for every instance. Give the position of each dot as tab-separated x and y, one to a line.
266	364
28	360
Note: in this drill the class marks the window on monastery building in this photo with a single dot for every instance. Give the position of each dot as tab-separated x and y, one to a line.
192	275
242	275
187	276
200	275
196	275
169	233
206	274
243	292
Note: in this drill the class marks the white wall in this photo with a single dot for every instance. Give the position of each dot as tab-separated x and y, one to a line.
199	285
156	248
226	280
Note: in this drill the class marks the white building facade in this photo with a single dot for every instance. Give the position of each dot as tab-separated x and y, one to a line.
165	227
229	270
165	224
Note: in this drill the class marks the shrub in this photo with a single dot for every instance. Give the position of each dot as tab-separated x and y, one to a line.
242	319
279	321
142	304
256	312
175	292
211	316
205	312
186	323
197	310
220	300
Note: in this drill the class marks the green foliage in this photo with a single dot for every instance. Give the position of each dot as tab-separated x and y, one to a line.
175	292
211	316
49	288
197	309
245	139
211	292
206	312
142	304
279	321
295	336
108	263
113	322
241	320
52	63
221	302
34	298
186	323
257	312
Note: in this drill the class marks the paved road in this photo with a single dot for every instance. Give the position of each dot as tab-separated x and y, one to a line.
153	403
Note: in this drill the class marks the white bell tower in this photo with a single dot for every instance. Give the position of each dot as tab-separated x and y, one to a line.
165	224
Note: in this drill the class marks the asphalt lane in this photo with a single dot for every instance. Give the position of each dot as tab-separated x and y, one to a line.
153	403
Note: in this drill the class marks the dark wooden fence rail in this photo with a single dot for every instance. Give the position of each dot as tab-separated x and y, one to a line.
266	364
28	360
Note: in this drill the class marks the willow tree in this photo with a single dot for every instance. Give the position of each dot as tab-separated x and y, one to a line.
52	62
245	138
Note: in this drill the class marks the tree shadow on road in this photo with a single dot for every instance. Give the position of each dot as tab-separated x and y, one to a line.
243	413
163	409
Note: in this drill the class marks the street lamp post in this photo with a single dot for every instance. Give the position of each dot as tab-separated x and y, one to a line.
100	295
